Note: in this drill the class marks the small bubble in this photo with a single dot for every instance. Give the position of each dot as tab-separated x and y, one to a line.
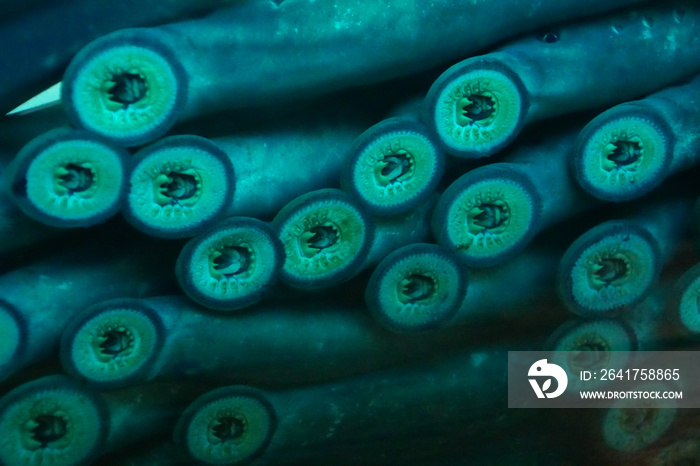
549	37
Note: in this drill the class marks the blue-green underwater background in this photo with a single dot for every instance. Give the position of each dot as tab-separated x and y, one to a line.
308	232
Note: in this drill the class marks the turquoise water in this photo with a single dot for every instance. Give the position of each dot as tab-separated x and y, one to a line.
309	232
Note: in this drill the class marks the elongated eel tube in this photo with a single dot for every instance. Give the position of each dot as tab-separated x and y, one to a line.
132	85
627	151
396	231
68	178
327	238
359	416
41	57
512	289
182	185
492	212
17	230
478	106
423	287
120	342
650	323
231	266
615	264
393	166
54	420
157	452
37	301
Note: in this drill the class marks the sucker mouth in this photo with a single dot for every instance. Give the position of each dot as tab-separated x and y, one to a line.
125	88
181	188
589	352
228	429
416	288
115	342
393	167
623	153
73	178
230	261
609	270
636	419
475	108
493	216
590	355
324	237
46	428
